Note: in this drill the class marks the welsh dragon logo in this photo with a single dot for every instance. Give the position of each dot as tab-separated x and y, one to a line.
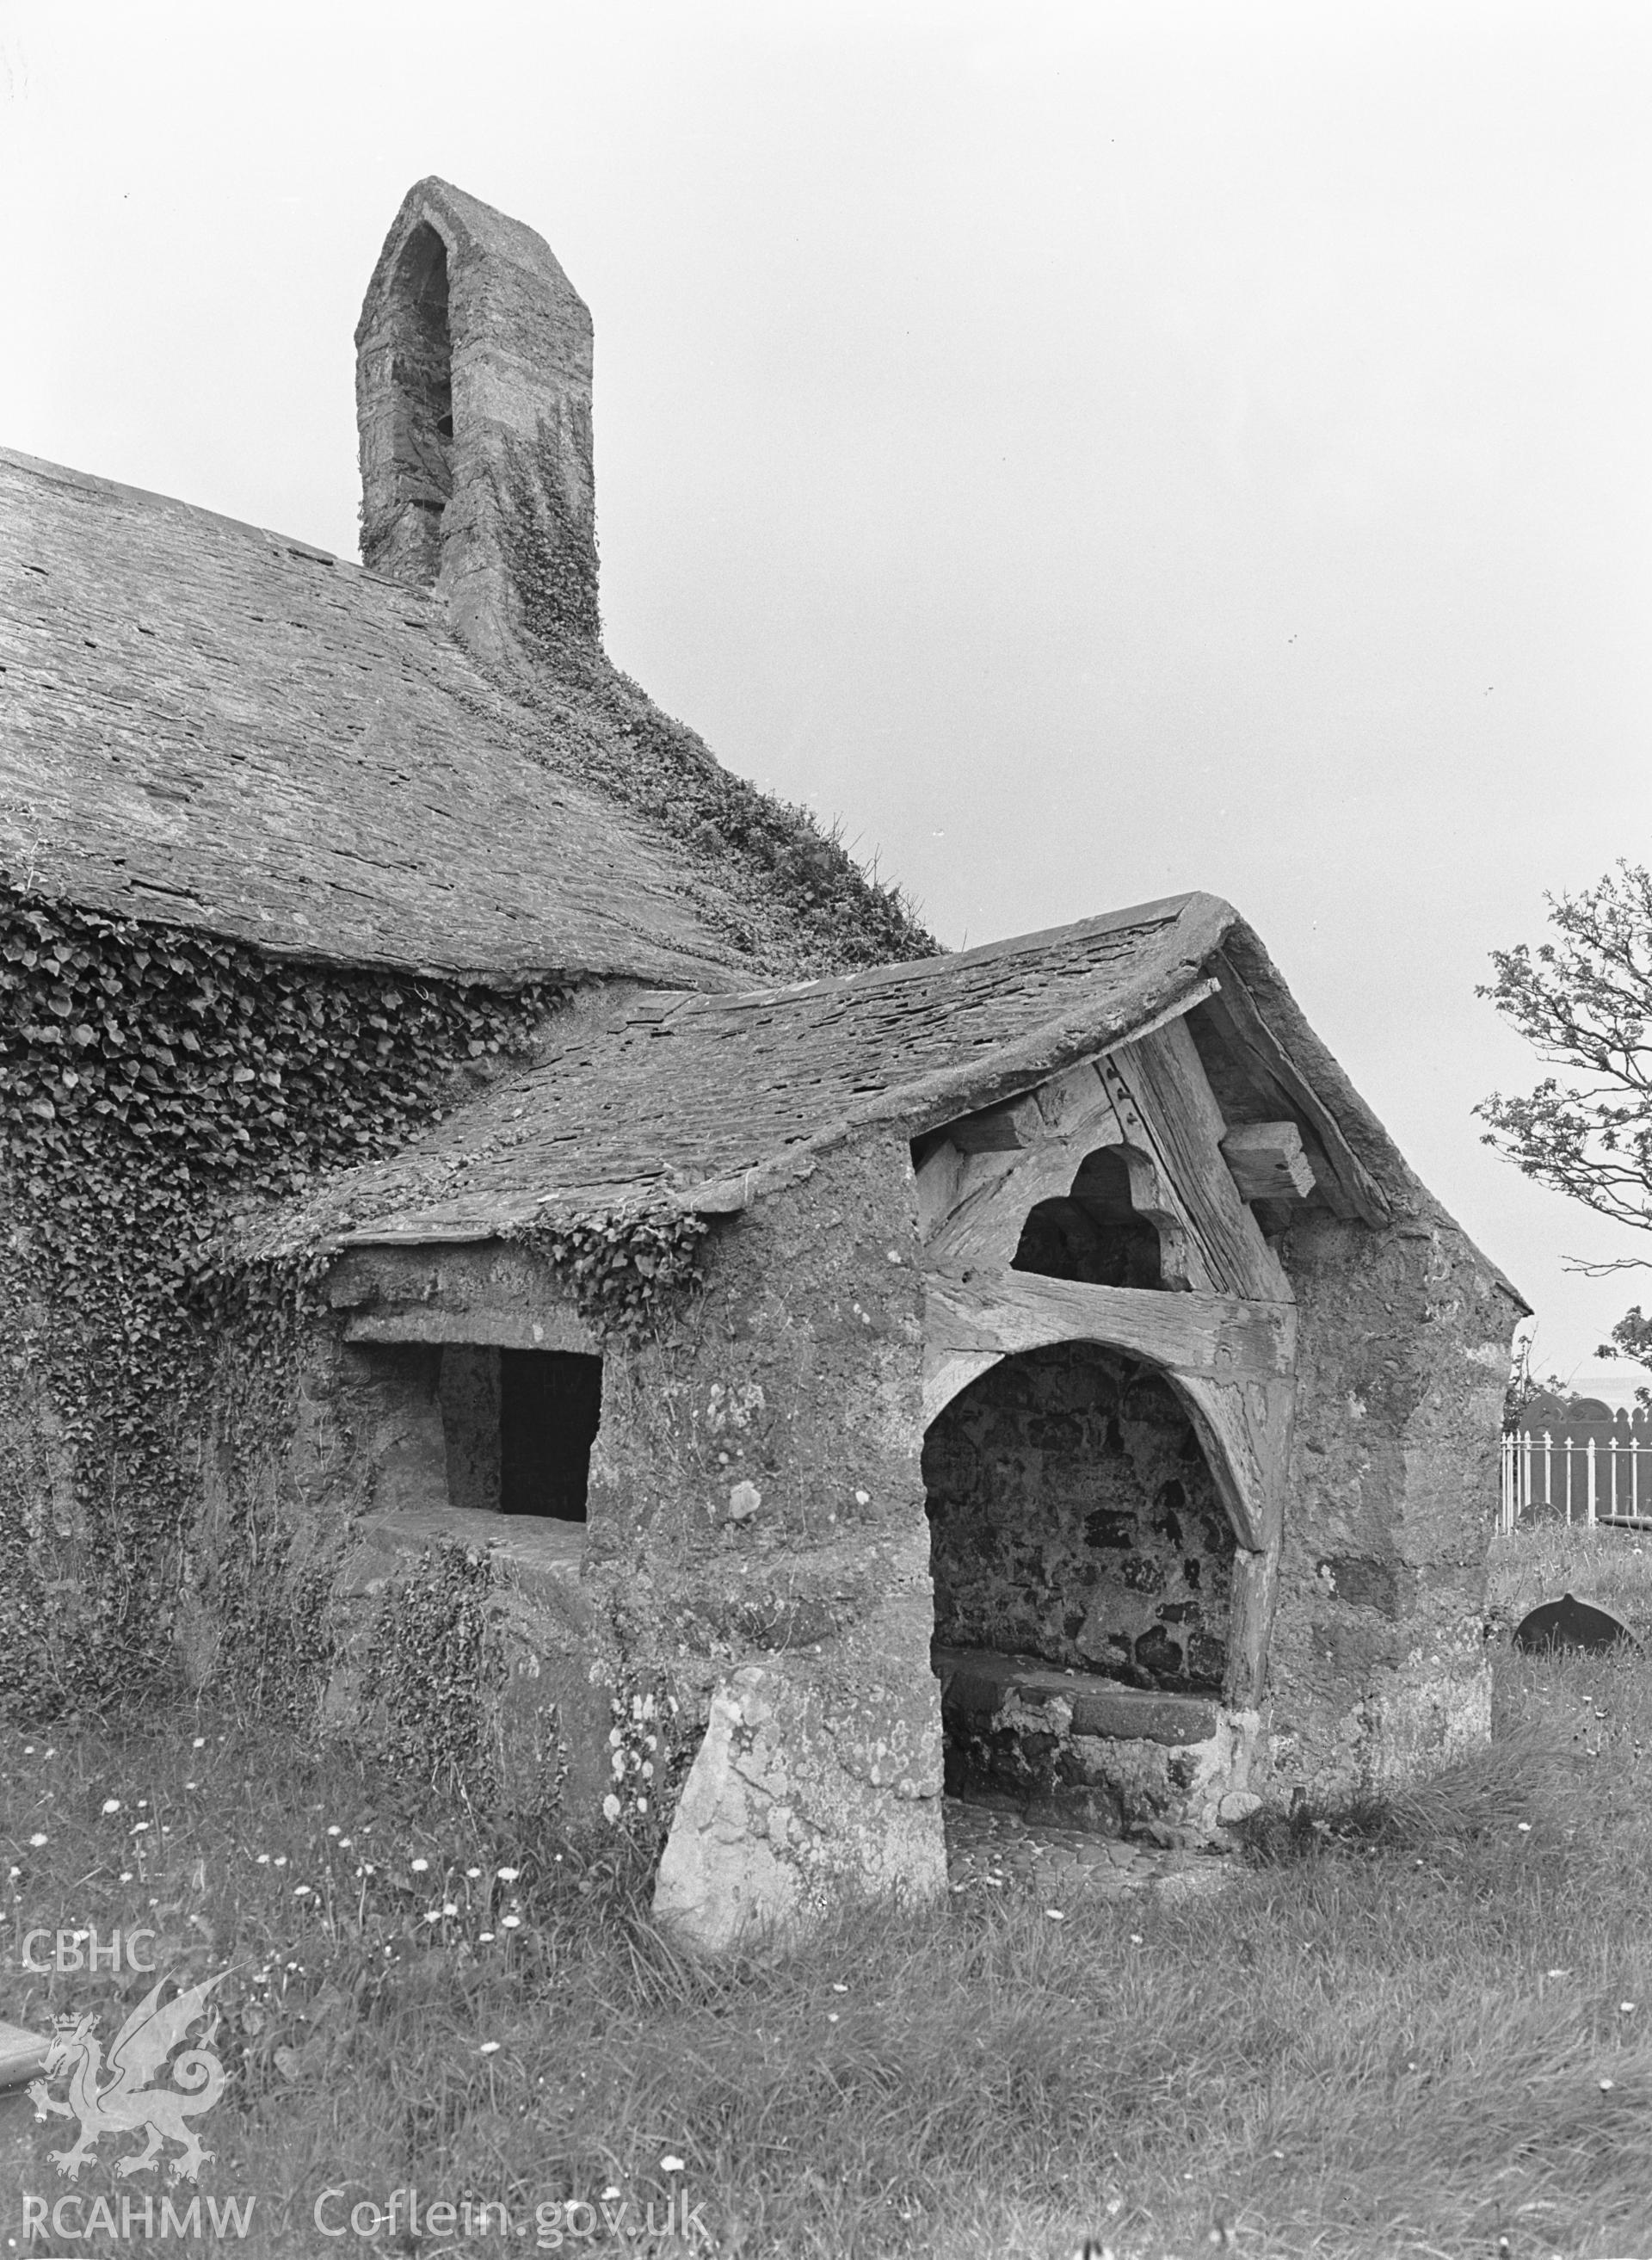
126	2103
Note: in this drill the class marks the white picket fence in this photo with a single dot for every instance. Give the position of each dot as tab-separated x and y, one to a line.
1575	1478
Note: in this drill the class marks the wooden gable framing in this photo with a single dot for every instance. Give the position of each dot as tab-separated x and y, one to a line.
1222	1326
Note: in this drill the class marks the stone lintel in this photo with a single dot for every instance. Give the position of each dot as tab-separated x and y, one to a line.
488	1293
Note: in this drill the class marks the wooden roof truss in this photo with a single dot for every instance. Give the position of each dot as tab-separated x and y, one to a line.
1222	1326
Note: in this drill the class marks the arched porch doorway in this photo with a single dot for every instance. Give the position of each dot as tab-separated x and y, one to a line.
1075	1518
1083	1569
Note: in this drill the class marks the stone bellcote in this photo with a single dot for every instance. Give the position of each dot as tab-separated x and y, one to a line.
473	381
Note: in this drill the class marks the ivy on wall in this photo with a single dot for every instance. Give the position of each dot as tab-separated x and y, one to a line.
155	1083
550	550
430	1669
622	1263
824	913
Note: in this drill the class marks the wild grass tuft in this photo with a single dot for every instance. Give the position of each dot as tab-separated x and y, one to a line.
1518	1783
1432	2032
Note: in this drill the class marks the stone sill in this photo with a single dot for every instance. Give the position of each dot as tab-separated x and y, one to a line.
534	1547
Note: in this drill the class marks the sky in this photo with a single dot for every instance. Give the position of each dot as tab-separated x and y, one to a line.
1089	451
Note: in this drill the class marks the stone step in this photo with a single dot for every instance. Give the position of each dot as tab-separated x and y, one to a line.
976	1683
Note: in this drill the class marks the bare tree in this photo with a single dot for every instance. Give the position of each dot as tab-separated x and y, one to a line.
1584	1002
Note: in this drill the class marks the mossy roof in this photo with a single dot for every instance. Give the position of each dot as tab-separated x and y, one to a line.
210	725
712	1100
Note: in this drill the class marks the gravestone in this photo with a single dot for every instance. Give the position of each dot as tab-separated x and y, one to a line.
1572	1624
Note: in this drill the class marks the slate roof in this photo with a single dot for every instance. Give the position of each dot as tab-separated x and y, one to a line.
217	727
714	1098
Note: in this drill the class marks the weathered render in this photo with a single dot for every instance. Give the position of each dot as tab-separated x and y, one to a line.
648	1335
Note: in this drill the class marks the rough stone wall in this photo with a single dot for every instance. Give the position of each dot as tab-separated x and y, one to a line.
468	1388
1074	1517
340	1570
1377	1666
757	1506
737	1643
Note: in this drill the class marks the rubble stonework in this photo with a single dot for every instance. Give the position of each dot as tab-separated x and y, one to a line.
1378	1660
1074	1517
763	1499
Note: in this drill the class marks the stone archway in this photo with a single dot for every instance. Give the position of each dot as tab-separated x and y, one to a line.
1075	1518
1085	1575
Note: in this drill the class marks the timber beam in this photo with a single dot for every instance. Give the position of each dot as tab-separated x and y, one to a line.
1216	1337
1268	1162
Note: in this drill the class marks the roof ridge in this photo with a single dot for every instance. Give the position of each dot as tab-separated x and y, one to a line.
1165	910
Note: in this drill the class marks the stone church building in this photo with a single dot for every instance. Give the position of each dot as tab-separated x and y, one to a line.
760	1369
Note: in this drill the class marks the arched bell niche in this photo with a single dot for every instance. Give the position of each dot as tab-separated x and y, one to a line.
1112	1228
407	437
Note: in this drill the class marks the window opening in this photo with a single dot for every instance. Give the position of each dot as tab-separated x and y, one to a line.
550	1406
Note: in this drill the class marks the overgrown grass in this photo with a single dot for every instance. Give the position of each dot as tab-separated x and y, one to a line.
1612	1567
1416	2031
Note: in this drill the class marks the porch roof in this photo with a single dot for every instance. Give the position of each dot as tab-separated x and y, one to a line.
711	1100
